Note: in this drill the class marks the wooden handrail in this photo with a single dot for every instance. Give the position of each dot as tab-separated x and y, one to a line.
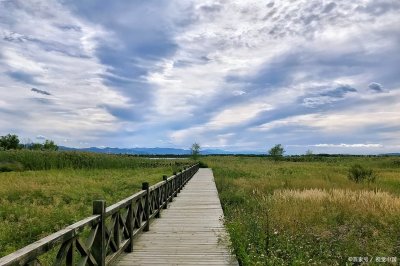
123	203
30	252
112	229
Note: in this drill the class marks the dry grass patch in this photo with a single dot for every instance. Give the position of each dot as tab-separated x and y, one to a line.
367	200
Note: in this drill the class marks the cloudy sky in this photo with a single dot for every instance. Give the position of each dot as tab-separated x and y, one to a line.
236	75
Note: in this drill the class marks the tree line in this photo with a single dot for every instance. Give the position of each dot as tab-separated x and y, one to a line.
12	142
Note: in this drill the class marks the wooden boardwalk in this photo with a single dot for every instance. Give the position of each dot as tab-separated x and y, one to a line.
189	232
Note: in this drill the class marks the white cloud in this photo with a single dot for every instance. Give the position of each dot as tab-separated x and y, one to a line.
260	36
344	145
55	50
238	92
237	115
232	116
236	74
335	123
41	137
238	50
243	50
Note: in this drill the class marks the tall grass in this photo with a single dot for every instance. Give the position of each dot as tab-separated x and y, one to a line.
308	213
46	160
57	189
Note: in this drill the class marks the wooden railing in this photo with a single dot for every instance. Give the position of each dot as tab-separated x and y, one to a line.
100	238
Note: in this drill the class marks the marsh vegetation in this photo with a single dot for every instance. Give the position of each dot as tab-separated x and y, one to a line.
44	191
307	211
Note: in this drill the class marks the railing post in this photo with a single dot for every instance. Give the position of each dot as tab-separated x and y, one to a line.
185	175
166	191
131	226
180	180
159	201
176	184
99	243
171	189
145	186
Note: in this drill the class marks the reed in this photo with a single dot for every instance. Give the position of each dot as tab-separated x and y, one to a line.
307	212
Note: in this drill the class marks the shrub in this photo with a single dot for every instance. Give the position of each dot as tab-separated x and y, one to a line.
396	163
358	173
203	165
50	145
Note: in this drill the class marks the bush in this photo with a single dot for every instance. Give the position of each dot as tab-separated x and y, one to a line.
396	163
358	173
203	165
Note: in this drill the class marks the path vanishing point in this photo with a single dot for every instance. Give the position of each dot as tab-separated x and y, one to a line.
190	231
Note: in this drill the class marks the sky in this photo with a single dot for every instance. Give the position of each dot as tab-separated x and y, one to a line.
234	75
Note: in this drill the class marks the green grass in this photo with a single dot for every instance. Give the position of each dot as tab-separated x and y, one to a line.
46	160
34	204
308	213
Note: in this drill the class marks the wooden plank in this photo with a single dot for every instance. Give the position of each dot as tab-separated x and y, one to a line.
190	231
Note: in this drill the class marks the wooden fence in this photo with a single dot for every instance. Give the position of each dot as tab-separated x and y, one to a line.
100	238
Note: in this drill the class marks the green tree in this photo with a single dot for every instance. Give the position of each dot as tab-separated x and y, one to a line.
195	151
50	145
35	146
9	142
276	152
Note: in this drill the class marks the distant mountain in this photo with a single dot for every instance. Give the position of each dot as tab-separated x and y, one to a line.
151	151
217	151
139	151
214	151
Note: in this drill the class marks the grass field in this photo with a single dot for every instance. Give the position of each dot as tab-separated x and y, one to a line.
34	204
309	213
22	160
299	212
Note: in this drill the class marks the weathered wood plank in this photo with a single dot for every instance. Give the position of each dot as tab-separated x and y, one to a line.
190	231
